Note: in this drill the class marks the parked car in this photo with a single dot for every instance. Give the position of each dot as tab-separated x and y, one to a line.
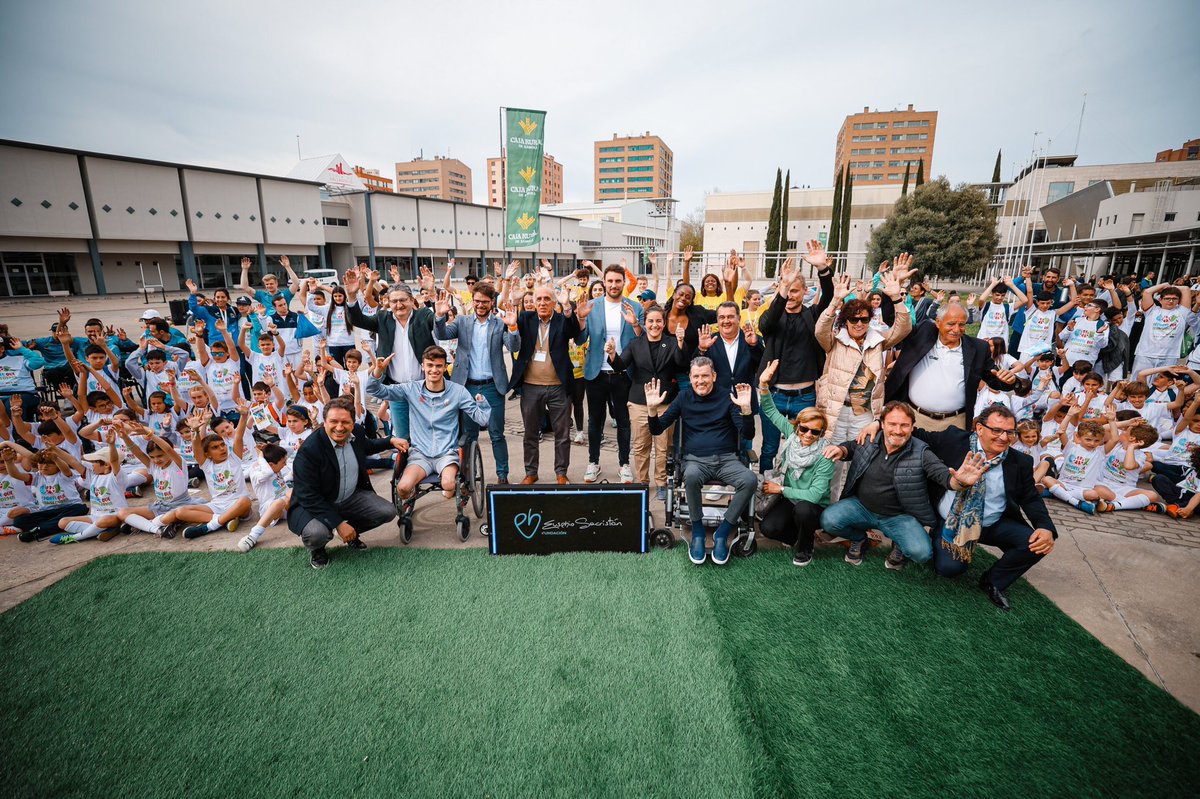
328	277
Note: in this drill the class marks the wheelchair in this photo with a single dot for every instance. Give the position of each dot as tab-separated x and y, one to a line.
468	489
715	499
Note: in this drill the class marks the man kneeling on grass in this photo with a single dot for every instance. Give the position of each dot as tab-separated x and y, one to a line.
331	490
431	420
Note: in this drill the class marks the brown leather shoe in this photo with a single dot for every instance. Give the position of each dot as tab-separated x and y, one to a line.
529	480
562	480
501	481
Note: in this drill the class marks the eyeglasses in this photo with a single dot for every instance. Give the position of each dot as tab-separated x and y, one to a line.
999	431
812	432
859	320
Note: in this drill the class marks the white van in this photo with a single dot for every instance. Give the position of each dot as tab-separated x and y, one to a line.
328	277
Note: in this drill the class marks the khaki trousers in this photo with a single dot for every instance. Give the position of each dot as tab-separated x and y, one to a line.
643	443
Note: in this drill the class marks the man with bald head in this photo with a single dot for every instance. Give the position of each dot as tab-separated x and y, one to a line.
543	374
939	370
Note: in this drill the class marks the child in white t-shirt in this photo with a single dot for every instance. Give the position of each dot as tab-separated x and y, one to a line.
107	497
15	497
271	476
1078	464
1125	461
168	479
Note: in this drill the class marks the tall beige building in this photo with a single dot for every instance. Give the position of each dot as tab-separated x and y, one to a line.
552	181
879	144
633	167
438	178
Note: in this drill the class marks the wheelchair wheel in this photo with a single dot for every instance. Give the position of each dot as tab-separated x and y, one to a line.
477	479
406	531
464	528
662	538
742	549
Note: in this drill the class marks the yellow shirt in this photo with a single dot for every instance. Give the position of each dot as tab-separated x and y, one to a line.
711	303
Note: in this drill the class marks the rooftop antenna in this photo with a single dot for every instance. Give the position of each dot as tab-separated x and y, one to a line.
1079	130
298	147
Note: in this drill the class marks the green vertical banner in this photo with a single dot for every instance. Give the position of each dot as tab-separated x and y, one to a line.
524	138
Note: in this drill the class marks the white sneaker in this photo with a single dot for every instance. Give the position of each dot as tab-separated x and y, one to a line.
247	543
592	473
626	474
578	439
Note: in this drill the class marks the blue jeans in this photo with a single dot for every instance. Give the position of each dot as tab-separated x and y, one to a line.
849	519
495	425
789	407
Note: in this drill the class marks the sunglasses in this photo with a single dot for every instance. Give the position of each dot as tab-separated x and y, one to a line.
811	431
859	320
1000	431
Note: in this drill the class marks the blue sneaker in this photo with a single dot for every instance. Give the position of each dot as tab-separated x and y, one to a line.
720	553
63	538
696	552
1087	507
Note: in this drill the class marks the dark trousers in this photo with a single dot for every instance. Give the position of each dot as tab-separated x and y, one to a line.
1007	534
1165	479
577	394
365	510
29	403
45	522
793	523
537	401
608	391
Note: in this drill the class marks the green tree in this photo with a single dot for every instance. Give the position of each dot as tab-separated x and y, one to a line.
691	230
835	224
847	202
907	169
950	232
783	212
920	174
773	224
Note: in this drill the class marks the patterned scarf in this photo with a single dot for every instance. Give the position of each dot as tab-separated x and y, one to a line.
962	527
796	457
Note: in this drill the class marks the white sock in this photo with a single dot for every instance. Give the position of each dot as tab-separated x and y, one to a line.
76	529
1059	492
1134	502
144	524
214	524
136	479
92	531
256	532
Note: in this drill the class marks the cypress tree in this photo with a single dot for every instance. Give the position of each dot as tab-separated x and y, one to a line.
773	225
847	201
920	174
783	212
907	169
835	224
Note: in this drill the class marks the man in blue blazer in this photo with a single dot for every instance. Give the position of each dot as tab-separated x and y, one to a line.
735	352
481	364
618	318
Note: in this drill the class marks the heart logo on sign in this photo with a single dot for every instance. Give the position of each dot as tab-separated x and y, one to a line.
531	520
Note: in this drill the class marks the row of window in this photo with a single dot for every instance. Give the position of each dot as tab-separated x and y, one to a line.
912	123
416	172
641	158
630	190
642	147
418	180
613	160
612	149
880	137
868	164
910	136
902	150
331	221
868	151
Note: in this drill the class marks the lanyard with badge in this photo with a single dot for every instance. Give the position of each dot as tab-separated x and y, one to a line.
543	342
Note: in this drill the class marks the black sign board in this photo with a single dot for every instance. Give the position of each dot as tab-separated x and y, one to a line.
541	520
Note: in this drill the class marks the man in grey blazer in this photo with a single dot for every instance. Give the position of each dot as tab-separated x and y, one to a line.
480	363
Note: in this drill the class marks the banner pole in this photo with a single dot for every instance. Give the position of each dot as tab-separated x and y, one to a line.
503	165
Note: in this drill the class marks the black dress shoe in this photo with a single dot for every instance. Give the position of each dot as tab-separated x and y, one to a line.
357	543
995	595
319	559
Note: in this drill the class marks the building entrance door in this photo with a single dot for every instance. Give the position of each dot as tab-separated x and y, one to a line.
24	276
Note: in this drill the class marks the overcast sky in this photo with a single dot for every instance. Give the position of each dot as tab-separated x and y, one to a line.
734	88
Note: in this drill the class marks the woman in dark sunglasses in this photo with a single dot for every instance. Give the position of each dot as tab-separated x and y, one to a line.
791	505
850	392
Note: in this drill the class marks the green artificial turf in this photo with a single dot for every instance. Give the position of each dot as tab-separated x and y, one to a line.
452	673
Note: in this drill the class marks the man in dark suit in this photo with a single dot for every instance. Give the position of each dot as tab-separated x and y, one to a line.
400	327
1000	519
939	370
481	365
543	373
331	491
735	353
